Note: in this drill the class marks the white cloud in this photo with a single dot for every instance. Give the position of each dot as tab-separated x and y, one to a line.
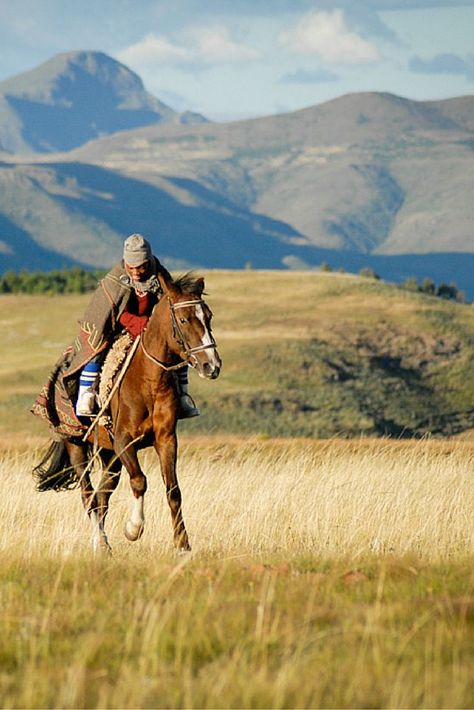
214	45
327	35
204	45
154	50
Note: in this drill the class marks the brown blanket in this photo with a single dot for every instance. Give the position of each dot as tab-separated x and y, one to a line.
54	404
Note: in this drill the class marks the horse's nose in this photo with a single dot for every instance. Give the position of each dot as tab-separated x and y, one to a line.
211	371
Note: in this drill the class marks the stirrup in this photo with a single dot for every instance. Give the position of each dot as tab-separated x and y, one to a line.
187	407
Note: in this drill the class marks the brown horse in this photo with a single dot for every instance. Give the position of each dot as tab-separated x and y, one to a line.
144	413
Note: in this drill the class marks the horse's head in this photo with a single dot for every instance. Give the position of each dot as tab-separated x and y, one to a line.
191	324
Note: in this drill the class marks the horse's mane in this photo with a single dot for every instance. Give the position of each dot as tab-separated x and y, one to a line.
188	283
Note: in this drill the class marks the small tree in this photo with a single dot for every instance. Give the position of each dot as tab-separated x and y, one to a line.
368	273
448	291
411	284
428	286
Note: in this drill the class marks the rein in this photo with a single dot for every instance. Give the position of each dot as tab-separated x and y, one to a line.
179	337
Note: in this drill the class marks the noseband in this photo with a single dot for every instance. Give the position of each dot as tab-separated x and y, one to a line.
179	337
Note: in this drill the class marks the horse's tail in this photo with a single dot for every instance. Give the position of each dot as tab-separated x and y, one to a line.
55	472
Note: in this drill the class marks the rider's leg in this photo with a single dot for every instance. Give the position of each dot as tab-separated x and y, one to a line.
88	380
187	406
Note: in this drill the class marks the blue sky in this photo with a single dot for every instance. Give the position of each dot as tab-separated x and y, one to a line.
232	59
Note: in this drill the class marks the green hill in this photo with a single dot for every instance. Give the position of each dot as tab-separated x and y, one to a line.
305	354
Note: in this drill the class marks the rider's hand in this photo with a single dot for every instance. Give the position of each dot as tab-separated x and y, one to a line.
136	324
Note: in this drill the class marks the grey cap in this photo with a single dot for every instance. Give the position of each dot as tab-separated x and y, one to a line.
136	250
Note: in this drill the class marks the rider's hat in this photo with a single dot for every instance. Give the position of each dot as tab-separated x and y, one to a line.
136	250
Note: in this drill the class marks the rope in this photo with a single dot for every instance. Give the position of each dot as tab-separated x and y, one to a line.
167	368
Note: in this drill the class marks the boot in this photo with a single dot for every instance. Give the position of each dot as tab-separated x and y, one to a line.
86	398
187	406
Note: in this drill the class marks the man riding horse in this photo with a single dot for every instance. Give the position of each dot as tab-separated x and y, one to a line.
143	405
123	300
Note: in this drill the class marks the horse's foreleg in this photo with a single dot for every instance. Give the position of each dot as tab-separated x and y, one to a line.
128	456
166	448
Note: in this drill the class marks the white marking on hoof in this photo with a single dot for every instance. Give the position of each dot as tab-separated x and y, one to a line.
136	523
133	532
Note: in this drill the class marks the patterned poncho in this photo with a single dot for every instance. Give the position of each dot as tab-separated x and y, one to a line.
100	323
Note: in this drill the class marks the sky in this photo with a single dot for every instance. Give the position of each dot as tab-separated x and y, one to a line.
235	59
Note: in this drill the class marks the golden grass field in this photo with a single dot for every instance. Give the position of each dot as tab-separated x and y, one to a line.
324	573
257	497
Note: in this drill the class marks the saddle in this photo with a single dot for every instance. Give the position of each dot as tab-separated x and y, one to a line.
111	368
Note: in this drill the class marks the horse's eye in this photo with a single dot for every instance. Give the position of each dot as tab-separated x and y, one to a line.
183	320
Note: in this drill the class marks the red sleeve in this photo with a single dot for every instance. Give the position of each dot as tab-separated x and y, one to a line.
134	324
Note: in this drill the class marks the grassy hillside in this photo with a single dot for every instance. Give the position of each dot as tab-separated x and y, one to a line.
305	354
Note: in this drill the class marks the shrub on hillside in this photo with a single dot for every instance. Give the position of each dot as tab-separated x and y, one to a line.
446	291
75	280
368	273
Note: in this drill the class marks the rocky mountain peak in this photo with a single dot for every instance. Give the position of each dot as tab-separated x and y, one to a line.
75	97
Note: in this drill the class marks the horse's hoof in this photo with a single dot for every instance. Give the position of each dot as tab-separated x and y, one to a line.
183	551
101	546
105	550
182	545
133	531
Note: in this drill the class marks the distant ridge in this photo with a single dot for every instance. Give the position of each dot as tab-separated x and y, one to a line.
365	180
73	98
369	173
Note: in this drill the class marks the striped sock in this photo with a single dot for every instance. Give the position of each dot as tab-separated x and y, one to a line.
183	377
89	374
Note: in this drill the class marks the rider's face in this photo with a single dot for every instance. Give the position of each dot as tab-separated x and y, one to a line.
138	273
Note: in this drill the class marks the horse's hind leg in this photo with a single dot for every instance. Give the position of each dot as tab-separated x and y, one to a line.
129	458
78	454
111	467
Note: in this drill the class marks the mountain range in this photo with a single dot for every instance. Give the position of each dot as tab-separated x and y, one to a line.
370	179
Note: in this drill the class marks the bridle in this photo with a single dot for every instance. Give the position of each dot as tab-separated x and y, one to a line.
178	335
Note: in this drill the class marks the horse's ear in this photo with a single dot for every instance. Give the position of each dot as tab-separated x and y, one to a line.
165	283
200	286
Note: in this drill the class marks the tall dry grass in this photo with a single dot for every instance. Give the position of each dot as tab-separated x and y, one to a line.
323	575
330	499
